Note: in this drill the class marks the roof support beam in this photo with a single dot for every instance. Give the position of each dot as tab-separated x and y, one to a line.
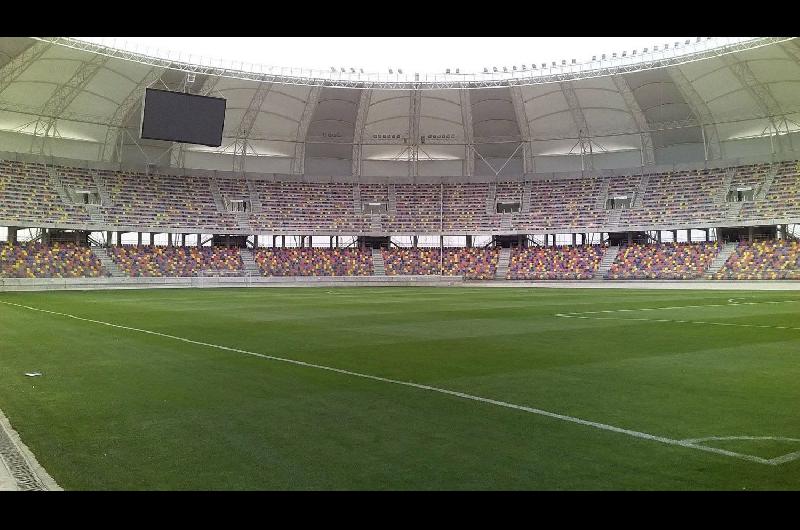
580	123
524	127
123	112
13	69
469	133
298	163
414	113
60	99
712	142
765	101
240	145
358	132
648	154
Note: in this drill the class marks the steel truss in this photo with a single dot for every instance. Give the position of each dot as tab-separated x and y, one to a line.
529	77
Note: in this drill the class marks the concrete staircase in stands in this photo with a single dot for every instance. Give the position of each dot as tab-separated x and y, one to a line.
502	264
719	261
107	262
251	268
605	263
378	266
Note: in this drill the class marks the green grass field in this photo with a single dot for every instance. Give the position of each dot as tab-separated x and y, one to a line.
122	409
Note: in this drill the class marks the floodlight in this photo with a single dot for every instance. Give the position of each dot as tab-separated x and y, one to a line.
603	57
594	57
447	71
524	67
514	68
666	46
624	54
544	65
190	78
687	42
494	69
505	69
458	71
633	52
399	71
655	48
352	70
391	71
343	69
554	63
614	55
644	51
563	62
574	61
361	70
333	70
485	70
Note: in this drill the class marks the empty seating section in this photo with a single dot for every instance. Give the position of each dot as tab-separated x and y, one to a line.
305	207
663	261
149	202
564	203
58	260
162	201
314	261
763	260
417	208
555	263
679	198
464	207
152	261
28	197
473	263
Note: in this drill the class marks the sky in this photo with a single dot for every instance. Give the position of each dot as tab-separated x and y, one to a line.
378	54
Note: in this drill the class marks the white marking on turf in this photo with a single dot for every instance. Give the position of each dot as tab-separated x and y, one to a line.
789	457
504	404
583	313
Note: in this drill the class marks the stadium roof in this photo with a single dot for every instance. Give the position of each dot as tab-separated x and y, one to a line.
69	98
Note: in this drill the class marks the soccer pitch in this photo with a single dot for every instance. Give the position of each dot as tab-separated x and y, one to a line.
406	388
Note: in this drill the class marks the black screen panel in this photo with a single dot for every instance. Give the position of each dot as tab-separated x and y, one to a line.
185	118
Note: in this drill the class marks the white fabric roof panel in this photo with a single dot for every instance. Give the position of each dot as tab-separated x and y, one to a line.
331	124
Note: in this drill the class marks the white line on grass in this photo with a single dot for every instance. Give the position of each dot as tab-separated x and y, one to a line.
583	314
504	404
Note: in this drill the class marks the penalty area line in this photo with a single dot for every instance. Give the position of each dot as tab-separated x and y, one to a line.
462	395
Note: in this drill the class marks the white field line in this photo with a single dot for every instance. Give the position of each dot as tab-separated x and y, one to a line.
583	314
504	404
789	457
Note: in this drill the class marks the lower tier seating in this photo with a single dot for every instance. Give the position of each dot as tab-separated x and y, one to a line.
58	260
152	261
555	263
473	263
663	261
763	260
314	262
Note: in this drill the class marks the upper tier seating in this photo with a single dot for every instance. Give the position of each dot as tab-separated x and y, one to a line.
763	260
153	261
663	261
473	263
555	263
314	261
58	260
31	196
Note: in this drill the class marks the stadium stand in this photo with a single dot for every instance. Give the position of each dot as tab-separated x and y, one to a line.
59	260
153	261
473	263
314	262
663	261
763	260
153	202
555	263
